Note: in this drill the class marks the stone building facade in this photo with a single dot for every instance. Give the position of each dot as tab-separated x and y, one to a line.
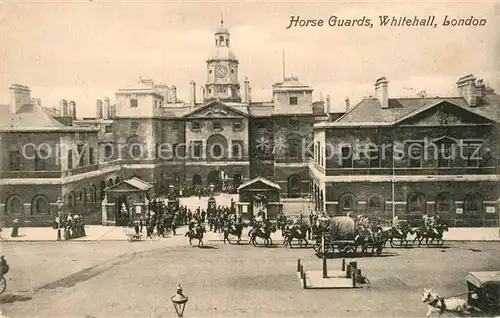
408	157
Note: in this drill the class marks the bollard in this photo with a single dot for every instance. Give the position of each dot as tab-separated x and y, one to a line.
343	264
298	264
304	283
301	270
354	278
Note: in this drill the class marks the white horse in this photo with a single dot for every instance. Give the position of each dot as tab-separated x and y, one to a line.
441	304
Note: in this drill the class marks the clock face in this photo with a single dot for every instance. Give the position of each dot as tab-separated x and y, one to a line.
220	71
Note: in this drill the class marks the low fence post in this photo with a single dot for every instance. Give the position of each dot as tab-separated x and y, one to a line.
354	278
298	264
343	264
304	283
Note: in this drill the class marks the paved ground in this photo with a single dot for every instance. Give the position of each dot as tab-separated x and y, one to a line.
110	279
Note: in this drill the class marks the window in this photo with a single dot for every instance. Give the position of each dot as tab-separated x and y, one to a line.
373	158
175	125
70	159
160	104
416	203
136	151
14	205
195	125
445	155
134	102
348	202
294	123
375	203
40	205
108	129
156	103
15	161
236	148
40	160
217	149
197	149
471	154
415	155
347	157
237	125
217	125
293	100
81	154
91	156
108	151
134	125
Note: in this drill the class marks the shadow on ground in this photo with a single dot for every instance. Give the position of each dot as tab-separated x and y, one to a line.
10	298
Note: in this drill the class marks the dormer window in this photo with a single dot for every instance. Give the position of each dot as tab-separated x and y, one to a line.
293	100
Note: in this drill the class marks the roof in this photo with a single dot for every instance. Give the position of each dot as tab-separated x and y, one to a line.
132	184
480	278
368	112
291	82
222	53
259	179
215	106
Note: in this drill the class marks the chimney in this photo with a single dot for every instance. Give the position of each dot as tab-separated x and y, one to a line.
470	89
106	108
347	104
173	94
72	107
249	94
327	105
99	114
112	111
202	90
20	95
381	92
65	110
246	91
192	93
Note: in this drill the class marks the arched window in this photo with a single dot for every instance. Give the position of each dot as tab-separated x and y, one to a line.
293	146
294	190
110	183
416	203
217	150
473	204
93	193
117	179
40	205
82	195
375	203
445	203
14	205
348	203
101	188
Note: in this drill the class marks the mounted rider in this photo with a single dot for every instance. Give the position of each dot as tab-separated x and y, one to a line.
396	224
430	224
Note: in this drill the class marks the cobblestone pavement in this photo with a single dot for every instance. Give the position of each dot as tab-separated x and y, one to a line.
110	279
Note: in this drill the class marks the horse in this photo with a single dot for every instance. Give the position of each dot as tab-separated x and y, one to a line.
296	232
441	304
235	230
422	233
264	233
400	234
196	234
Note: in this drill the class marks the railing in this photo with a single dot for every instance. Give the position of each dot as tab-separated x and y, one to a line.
292	160
80	170
30	174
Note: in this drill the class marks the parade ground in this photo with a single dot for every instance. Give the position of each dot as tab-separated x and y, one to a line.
118	278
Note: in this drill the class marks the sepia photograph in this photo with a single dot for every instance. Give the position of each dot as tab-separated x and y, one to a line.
249	158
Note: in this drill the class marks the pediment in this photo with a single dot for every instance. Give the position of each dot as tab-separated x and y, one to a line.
215	109
121	187
259	183
443	114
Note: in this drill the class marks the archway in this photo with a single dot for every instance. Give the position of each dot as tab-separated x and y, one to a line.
196	180
293	183
40	205
135	149
416	208
216	147
14	205
214	177
445	205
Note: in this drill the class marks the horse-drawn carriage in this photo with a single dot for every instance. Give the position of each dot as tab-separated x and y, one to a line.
483	290
345	235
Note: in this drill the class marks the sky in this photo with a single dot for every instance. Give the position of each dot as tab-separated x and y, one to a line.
86	50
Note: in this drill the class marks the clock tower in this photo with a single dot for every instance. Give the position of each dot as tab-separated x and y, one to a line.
222	70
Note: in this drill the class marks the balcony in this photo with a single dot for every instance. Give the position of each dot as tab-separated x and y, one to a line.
409	171
30	174
291	160
80	170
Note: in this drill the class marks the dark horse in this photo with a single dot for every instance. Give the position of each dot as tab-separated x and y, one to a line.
296	232
422	233
262	232
196	234
236	230
400	234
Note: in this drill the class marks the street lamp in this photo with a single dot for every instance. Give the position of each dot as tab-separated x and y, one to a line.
59	204
179	301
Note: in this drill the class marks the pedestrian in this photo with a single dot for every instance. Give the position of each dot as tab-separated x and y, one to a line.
141	223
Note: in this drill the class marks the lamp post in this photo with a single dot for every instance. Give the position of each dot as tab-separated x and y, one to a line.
59	208
179	301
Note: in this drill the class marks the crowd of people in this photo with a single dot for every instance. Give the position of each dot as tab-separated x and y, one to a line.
73	226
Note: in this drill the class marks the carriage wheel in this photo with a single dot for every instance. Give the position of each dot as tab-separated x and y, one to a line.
3	285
